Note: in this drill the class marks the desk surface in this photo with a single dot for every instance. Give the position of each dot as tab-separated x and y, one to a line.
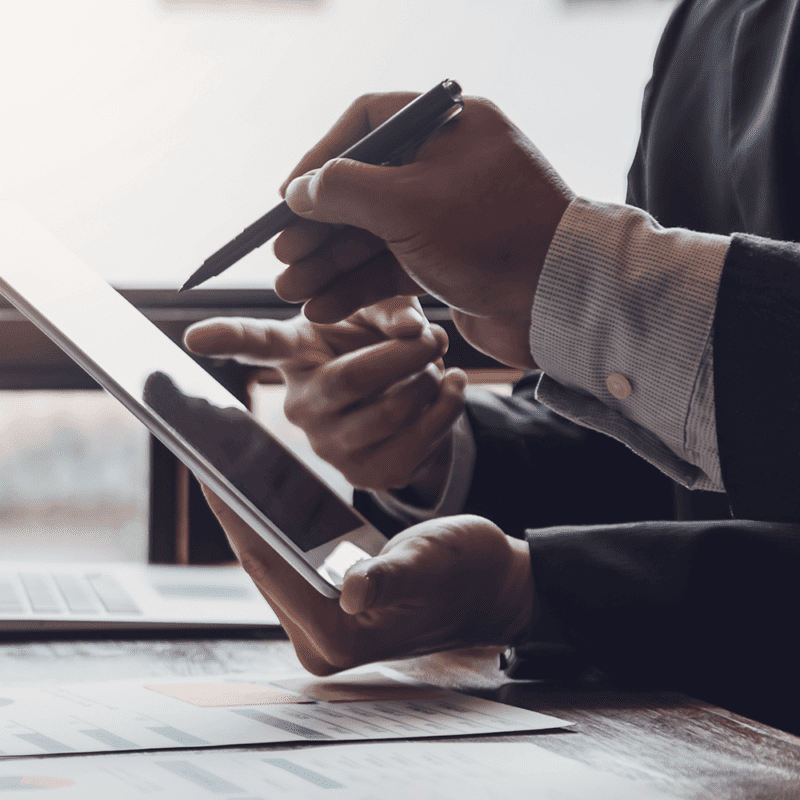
663	740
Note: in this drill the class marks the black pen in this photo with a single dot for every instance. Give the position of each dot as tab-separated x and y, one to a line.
406	130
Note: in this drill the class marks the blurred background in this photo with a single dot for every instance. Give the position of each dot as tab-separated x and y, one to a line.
146	133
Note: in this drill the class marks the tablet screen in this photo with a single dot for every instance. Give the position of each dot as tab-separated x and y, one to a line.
162	385
256	463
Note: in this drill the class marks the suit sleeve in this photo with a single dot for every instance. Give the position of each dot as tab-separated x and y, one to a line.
708	608
534	468
757	378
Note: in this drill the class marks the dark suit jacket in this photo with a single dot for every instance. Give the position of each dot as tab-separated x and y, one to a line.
710	608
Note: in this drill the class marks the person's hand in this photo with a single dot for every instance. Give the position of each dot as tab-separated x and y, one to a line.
370	392
470	221
443	584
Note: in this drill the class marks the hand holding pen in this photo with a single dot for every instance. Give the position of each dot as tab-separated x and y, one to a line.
468	221
399	134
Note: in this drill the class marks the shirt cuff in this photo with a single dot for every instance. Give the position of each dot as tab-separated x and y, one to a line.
621	326
454	493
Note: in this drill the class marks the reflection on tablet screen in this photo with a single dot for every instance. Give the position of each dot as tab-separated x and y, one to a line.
305	509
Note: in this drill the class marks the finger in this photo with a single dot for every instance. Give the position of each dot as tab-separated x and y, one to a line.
373	423
347	192
403	575
402	454
356	376
282	586
363	116
396	317
300	239
266	342
326	641
378	279
343	251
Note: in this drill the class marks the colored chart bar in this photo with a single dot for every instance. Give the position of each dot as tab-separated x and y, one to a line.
281	724
45	742
111	739
179	736
207	780
306	774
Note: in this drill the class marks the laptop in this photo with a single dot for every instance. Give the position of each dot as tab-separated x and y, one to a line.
39	596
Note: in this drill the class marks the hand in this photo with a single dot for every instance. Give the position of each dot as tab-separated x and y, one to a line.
451	582
470	221
369	392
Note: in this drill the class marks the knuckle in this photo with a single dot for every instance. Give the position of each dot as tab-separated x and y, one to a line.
328	177
391	415
312	660
363	102
294	410
482	106
326	450
317	666
341	383
363	475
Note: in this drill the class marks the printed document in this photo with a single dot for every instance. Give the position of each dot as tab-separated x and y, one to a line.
243	709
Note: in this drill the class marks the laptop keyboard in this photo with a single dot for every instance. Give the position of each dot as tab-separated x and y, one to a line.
40	593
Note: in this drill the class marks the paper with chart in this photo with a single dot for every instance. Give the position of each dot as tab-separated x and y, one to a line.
426	770
243	709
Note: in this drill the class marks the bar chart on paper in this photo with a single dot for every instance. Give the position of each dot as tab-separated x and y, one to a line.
242	709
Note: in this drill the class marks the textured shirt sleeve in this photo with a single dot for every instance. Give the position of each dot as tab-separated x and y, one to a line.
454	492
621	326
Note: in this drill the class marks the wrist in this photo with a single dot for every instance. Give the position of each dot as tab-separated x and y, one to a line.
426	484
505	338
518	595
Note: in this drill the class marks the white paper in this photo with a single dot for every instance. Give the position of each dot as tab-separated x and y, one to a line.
125	715
401	770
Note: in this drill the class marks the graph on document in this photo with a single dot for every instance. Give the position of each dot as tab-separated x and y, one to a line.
129	715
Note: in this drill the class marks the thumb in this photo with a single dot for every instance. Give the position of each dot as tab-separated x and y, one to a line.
405	573
347	192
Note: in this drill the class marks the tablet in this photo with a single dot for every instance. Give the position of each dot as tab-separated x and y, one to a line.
202	423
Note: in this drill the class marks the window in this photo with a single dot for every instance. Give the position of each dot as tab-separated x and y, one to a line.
73	478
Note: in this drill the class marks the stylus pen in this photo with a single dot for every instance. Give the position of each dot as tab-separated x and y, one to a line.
404	131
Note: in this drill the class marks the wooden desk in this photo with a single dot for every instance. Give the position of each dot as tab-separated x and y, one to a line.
664	740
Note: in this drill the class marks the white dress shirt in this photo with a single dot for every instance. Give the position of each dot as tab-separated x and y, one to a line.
621	326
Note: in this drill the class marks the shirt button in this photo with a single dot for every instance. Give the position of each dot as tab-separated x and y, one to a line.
619	386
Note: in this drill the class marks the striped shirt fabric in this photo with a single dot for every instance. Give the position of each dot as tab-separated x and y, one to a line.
621	296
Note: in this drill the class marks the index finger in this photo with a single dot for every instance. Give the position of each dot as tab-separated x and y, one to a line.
363	116
265	342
